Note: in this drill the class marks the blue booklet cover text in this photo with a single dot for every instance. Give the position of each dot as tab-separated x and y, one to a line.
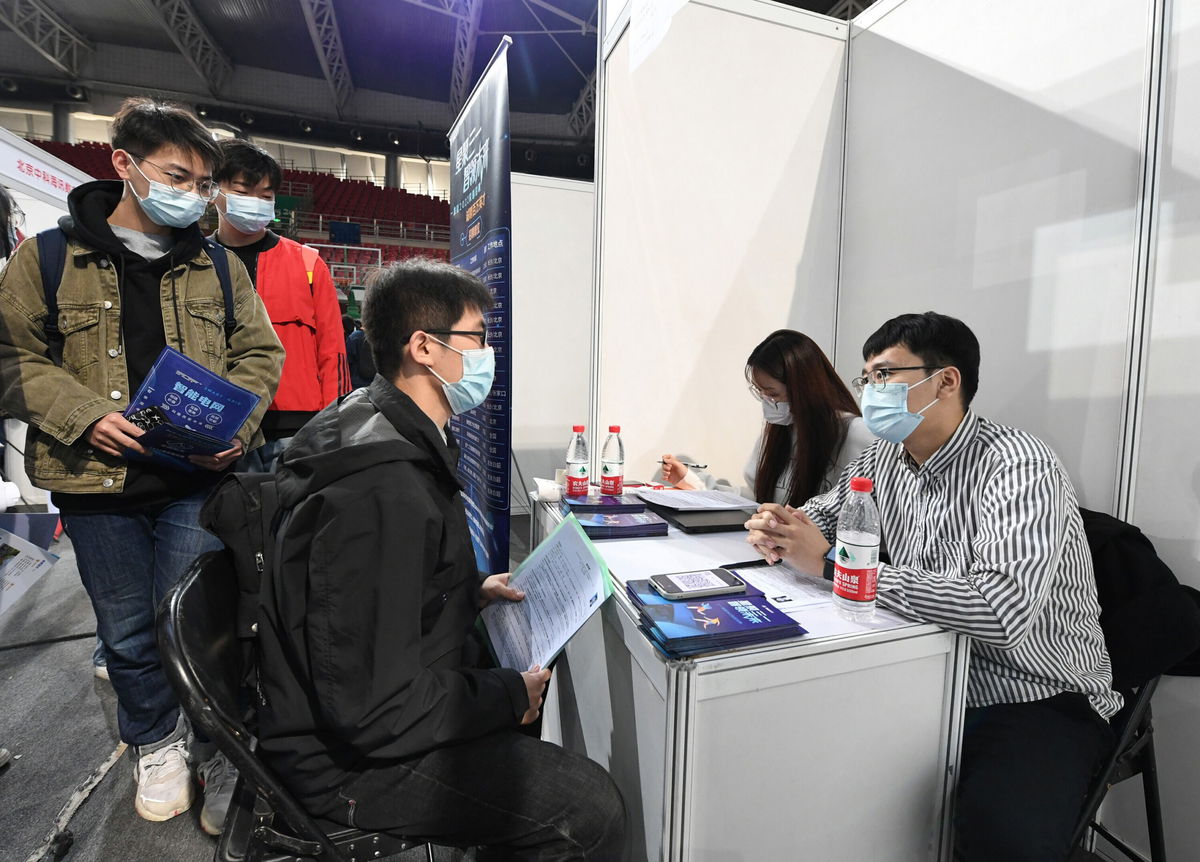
185	409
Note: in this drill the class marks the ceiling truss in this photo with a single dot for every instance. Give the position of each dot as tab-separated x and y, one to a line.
46	33
327	39
466	35
847	9
446	7
193	40
583	112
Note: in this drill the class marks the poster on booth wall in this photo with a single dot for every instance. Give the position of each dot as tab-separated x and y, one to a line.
480	240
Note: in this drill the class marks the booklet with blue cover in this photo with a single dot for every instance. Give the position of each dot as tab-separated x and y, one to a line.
692	627
621	525
185	409
606	503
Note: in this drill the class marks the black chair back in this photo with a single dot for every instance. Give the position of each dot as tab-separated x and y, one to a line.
1149	624
203	659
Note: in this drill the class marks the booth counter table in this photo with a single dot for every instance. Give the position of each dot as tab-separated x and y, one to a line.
834	747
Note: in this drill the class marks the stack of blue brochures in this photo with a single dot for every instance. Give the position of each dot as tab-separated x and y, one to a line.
692	626
609	504
185	409
621	525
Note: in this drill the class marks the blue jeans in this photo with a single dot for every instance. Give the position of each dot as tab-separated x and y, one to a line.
264	459
127	562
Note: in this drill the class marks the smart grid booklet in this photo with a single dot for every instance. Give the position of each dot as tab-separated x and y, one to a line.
185	409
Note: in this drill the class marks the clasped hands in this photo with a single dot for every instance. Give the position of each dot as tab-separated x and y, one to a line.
783	533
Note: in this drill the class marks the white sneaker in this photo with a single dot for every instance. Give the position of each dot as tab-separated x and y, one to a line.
218	777
164	782
101	672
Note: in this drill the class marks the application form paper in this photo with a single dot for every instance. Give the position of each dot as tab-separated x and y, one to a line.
565	581
696	501
809	601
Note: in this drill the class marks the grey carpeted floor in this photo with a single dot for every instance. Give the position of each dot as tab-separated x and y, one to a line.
59	721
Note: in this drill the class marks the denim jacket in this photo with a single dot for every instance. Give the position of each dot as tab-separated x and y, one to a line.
61	403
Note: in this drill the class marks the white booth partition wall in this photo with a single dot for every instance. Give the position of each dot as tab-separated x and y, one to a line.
1020	166
993	155
720	163
1166	490
552	308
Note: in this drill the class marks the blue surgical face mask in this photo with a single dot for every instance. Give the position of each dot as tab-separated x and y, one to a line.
776	412
246	213
167	207
479	369
885	410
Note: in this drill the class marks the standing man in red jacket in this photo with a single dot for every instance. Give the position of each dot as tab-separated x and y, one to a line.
295	286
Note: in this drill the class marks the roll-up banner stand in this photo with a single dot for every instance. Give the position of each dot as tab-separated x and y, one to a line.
480	241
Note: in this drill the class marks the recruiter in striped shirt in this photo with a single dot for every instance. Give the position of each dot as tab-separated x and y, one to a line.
982	535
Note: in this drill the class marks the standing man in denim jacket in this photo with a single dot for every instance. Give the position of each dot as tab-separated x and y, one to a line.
137	277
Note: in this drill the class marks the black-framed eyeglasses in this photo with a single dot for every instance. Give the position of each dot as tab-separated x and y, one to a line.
481	334
206	189
879	376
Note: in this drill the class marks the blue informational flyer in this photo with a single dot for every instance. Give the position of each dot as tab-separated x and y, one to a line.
695	626
621	525
185	409
604	503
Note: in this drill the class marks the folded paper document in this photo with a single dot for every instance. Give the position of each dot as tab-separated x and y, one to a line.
565	581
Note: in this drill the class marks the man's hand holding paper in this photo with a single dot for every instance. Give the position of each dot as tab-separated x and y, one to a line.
564	581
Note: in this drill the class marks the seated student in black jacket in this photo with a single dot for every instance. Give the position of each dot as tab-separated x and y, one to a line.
375	713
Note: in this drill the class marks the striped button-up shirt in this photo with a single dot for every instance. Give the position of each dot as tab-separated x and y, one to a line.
985	538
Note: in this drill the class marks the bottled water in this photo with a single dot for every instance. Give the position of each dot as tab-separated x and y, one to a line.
856	567
577	464
612	463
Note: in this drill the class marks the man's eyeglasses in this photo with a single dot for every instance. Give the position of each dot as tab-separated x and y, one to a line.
481	334
205	188
880	375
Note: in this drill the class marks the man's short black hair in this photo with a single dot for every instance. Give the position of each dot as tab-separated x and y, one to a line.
248	162
418	293
939	340
141	126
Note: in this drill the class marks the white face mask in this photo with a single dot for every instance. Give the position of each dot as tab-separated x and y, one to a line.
246	213
167	207
776	412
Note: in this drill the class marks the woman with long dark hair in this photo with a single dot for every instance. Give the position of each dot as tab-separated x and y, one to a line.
812	427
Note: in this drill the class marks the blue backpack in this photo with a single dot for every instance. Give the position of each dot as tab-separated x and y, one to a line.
52	260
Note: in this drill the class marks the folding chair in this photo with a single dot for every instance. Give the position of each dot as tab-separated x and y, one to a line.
1133	755
1149	625
203	658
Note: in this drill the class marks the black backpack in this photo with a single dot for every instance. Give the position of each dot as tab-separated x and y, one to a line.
52	260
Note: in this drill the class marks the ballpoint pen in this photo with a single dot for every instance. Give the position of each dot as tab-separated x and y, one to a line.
686	464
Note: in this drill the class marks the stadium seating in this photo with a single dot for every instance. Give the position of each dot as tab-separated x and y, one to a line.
346	200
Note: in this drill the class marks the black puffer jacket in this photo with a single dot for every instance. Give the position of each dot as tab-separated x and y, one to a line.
364	623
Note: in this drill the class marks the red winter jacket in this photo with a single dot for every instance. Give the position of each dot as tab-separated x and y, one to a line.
295	286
